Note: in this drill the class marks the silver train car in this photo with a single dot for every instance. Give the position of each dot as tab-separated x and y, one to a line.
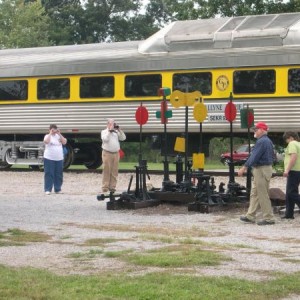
256	59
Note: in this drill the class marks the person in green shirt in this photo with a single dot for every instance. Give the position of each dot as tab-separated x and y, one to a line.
292	172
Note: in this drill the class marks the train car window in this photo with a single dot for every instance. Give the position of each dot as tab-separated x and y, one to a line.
254	82
53	89
142	85
294	81
97	87
191	82
13	90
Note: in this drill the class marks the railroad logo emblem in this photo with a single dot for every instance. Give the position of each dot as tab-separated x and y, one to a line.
222	83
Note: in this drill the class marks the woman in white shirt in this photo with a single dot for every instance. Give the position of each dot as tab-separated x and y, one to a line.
53	160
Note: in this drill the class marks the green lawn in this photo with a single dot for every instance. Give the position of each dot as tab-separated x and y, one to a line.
209	165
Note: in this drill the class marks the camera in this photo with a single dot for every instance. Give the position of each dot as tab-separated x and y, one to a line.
116	126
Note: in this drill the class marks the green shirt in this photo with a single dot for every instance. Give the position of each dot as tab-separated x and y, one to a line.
292	147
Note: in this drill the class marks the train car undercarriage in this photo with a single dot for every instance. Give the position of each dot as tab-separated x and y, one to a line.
30	153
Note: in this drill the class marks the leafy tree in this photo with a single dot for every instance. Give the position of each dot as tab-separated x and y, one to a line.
161	12
165	11
290	6
65	24
140	27
236	7
94	21
109	20
23	25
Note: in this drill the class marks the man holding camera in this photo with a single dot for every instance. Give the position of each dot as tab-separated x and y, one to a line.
111	137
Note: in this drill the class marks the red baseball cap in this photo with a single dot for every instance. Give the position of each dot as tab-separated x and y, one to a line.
262	125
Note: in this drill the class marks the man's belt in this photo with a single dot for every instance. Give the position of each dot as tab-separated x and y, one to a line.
110	151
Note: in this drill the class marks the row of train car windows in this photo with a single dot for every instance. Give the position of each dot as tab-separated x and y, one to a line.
244	82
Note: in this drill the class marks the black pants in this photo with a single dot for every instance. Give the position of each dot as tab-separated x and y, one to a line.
292	192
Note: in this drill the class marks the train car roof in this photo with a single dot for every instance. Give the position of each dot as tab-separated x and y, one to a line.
234	32
207	43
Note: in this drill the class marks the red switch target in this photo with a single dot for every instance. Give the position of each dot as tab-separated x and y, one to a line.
230	112
141	115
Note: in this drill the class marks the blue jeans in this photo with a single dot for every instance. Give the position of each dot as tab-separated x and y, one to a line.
53	175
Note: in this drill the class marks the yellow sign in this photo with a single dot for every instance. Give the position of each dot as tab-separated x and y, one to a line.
198	161
179	98
180	144
200	112
222	83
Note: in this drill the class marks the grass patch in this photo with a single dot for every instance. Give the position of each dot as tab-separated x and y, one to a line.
177	256
65	237
117	254
156	230
86	255
243	246
209	165
18	237
123	165
292	260
157	238
26	283
5	243
101	241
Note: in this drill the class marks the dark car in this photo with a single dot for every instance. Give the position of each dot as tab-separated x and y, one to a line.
241	154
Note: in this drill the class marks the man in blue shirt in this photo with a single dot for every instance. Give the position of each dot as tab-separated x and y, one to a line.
261	161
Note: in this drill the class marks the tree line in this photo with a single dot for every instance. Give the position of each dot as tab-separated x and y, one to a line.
33	23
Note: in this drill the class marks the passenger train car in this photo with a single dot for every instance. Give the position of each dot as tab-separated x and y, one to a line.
256	58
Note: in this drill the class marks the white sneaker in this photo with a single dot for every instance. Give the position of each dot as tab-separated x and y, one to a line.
47	193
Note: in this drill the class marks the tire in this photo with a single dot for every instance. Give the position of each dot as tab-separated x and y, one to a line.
4	165
94	154
69	157
225	161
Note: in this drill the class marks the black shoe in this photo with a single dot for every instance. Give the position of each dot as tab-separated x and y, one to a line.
264	222
246	220
286	217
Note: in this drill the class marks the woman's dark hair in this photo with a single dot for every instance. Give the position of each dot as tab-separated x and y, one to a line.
53	126
289	134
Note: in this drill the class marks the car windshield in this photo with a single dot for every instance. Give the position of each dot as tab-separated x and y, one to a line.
243	148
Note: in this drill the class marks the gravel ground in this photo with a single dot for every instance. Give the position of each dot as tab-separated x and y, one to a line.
72	218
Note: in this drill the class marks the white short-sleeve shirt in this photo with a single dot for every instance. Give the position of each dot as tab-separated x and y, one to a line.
54	149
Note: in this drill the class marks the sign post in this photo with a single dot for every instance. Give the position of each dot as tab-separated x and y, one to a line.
230	115
247	121
141	117
179	99
200	114
164	114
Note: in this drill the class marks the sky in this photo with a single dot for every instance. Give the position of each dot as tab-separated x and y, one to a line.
145	2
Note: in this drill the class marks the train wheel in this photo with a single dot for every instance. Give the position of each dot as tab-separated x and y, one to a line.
69	156
94	154
4	164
